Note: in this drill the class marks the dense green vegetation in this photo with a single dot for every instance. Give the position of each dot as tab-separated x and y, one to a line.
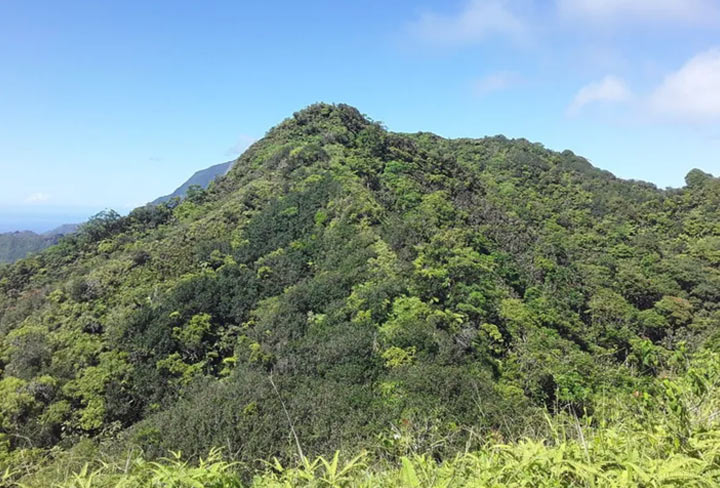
665	436
345	288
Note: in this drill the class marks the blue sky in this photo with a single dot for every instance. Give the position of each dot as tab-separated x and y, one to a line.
108	104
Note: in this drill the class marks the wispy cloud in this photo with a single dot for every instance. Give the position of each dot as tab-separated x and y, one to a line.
495	82
691	93
609	89
38	197
633	11
477	21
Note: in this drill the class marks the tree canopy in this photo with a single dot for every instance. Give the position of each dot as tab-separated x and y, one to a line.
388	284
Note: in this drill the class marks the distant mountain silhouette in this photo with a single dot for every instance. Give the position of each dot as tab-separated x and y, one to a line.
17	245
202	178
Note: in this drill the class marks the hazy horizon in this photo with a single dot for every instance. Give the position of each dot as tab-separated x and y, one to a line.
45	219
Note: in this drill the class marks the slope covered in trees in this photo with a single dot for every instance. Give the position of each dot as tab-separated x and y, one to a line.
346	287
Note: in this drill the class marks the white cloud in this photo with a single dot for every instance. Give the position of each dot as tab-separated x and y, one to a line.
609	89
676	11
477	21
38	197
693	92
494	82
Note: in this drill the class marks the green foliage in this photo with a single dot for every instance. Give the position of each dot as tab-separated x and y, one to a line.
667	436
409	295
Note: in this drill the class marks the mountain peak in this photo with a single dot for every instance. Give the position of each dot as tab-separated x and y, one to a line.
320	117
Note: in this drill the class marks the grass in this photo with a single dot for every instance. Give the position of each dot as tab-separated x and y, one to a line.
668	436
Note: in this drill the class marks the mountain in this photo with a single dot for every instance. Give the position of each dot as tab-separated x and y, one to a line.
202	178
63	230
17	245
345	287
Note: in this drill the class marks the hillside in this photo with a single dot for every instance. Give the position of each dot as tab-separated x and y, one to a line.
347	287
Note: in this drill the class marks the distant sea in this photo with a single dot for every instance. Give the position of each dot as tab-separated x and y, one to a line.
36	223
42	220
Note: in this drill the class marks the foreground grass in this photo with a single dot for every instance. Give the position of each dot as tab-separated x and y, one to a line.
597	457
607	458
668	436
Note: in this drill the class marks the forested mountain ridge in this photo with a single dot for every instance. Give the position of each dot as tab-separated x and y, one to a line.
17	245
391	286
